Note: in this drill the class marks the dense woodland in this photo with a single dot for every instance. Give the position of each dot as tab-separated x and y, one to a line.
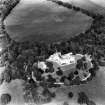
15	56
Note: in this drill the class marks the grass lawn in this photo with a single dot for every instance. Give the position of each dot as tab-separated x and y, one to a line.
39	24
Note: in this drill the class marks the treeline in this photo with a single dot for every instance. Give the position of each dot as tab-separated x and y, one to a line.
6	7
78	9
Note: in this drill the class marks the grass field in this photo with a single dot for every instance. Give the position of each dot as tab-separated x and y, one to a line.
40	23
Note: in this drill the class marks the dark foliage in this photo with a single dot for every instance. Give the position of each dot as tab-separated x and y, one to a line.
59	72
79	64
65	103
93	72
76	72
91	102
63	78
51	79
5	99
75	81
47	93
84	11
70	94
50	67
7	7
7	76
82	98
30	92
71	76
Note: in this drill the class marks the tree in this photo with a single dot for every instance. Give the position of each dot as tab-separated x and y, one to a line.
7	6
82	98
65	103
71	6
5	98
7	75
91	102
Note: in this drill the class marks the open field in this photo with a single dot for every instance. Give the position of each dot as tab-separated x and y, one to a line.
45	21
40	23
